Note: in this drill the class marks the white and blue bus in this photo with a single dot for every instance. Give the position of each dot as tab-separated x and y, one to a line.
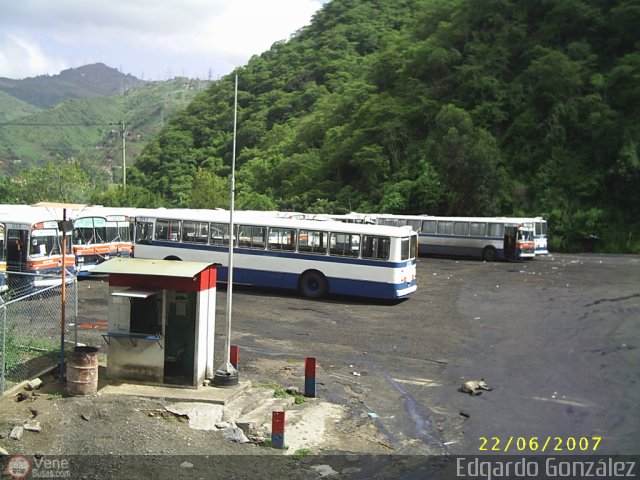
489	238
316	258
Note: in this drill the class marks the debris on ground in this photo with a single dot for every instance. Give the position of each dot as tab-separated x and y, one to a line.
235	435
33	426
16	433
34	384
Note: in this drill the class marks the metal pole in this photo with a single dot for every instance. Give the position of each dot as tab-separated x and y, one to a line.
227	375
75	312
63	290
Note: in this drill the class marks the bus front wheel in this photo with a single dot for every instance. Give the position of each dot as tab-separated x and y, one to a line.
313	284
489	254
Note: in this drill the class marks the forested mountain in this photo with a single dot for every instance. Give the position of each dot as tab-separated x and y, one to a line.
429	106
44	91
458	107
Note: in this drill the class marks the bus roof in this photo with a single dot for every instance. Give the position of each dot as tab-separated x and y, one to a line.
28	215
254	218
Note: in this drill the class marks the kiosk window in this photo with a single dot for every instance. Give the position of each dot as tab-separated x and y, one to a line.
146	314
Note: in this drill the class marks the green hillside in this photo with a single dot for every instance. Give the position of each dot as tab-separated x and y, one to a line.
12	108
429	106
89	129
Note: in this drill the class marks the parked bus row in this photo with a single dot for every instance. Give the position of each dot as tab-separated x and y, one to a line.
357	254
316	258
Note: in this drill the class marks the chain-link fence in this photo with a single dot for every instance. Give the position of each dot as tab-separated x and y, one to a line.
32	328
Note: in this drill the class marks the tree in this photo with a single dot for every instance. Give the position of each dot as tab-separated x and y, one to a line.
57	181
132	196
467	160
208	191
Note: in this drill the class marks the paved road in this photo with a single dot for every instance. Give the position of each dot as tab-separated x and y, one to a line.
557	339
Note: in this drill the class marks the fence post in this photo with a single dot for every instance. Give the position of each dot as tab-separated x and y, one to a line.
4	347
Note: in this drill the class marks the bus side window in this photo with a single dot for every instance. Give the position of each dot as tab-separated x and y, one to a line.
188	232
429	226
251	236
162	230
445	227
496	230
375	247
415	225
461	228
219	234
282	239
478	229
313	241
345	244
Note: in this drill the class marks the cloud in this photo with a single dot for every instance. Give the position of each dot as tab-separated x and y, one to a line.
149	35
21	57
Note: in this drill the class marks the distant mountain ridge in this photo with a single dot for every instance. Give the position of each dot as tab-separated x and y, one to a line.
88	129
44	91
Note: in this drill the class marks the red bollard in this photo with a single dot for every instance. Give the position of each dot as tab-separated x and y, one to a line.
310	377
234	355
277	429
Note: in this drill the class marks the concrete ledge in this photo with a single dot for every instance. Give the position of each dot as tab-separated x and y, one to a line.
216	395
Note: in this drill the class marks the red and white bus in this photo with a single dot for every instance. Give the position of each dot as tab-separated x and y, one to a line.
34	244
99	233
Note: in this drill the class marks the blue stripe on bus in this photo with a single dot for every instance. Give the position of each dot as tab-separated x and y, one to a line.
292	255
289	281
470	251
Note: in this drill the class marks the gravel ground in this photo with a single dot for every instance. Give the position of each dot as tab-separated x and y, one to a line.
556	339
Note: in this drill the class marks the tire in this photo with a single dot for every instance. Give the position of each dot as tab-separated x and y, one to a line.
489	254
313	284
173	258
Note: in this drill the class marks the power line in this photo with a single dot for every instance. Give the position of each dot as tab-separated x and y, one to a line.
23	124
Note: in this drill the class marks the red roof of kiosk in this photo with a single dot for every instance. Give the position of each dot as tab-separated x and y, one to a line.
159	274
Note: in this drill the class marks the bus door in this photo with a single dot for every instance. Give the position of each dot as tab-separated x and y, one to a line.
17	250
510	236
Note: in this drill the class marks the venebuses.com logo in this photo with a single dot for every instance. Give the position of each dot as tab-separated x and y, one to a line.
18	467
23	467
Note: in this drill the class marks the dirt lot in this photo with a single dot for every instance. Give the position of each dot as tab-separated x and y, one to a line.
556	338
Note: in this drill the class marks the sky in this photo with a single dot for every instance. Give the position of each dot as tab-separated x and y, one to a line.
151	39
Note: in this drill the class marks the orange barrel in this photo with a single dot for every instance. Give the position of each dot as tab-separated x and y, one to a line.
82	371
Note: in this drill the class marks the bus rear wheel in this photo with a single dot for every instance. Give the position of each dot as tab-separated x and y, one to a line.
313	284
489	254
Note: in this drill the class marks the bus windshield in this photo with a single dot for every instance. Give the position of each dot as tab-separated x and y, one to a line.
44	242
118	232
525	235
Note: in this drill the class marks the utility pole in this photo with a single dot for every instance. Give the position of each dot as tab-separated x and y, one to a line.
124	156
